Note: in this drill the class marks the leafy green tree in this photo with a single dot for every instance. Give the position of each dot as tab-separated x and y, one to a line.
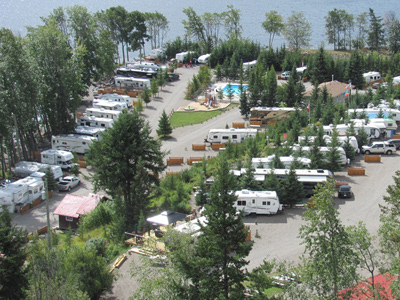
136	31
145	95
273	25
292	189
260	279
361	31
164	126
297	31
13	278
127	162
376	38
362	137
394	36
215	272
153	87
157	28
329	262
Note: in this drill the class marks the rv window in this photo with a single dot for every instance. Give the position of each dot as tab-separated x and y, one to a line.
234	136
264	203
69	219
45	156
241	203
269	203
64	143
254	201
215	136
83	143
390	124
225	137
103	125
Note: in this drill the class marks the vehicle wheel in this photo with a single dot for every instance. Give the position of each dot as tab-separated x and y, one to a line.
389	152
367	152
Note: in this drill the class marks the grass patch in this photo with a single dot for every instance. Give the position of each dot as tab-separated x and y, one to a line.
185	118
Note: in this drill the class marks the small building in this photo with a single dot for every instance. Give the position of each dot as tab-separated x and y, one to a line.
72	207
338	90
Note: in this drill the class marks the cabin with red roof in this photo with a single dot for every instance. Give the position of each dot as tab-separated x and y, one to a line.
72	207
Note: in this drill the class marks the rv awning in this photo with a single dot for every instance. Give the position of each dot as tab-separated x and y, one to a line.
166	218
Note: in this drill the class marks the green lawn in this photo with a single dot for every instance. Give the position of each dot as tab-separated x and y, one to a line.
184	118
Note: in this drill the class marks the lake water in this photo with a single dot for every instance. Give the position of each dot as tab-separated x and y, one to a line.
16	15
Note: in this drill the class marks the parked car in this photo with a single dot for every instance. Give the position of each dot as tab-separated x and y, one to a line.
396	142
68	183
379	148
344	191
173	76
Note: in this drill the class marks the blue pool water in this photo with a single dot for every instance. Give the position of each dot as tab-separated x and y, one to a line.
235	89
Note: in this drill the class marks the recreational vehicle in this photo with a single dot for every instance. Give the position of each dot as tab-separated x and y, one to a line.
35	169
324	151
110	105
91	121
327	138
56	157
372	130
72	142
118	98
92	131
181	57
371	77
249	66
234	135
35	187
266	114
258	202
102	113
373	112
265	162
203	59
132	82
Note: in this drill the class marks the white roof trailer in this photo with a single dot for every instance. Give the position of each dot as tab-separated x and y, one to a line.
180	57
92	131
327	138
203	59
108	104
391	112
33	169
92	121
138	83
102	113
258	202
325	150
118	98
249	65
372	130
72	142
264	162
372	76
234	135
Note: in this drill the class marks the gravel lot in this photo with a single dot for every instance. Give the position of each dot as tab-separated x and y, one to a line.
278	234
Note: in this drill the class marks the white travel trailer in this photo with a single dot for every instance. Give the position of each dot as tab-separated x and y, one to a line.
249	66
14	194
203	59
35	187
327	138
373	112
57	157
264	162
132	82
118	98
102	113
72	142
324	150
372	130
258	202
35	169
372	76
91	121
92	131
180	57
110	105
234	135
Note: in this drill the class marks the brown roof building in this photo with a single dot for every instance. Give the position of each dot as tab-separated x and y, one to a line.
335	88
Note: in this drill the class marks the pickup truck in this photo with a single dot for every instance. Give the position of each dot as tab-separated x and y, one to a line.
379	148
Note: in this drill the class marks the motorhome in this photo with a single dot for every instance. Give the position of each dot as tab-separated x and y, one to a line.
309	178
266	114
258	202
118	98
371	77
234	135
91	131
132	82
372	130
249	66
324	151
203	59
110	105
265	162
389	126
72	142
327	138
35	187
182	56
57	157
102	113
91	121
35	169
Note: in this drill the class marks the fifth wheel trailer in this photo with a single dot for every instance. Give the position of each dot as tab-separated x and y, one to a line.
258	202
234	135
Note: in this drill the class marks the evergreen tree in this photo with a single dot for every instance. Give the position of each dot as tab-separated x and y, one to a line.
316	156
248	181
154	86
348	148
333	156
292	189
217	270
355	70
330	263
244	105
376	37
51	181
271	88
145	95
320	71
13	279
290	90
164	126
272	183
362	137
276	162
218	72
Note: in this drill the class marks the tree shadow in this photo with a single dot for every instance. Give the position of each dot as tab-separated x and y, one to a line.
288	213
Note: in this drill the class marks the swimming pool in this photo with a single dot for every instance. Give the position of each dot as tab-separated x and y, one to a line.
235	89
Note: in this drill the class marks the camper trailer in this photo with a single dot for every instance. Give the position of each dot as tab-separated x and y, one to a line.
265	162
324	150
91	121
181	57
327	138
72	142
56	157
203	59
258	202
371	77
110	105
102	113
91	131
266	114
132	82
35	187
249	66
220	136
35	169
373	112
372	130
118	98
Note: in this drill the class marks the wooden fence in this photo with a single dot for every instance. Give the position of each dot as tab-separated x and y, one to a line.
238	125
173	161
355	171
372	158
198	147
191	160
217	146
